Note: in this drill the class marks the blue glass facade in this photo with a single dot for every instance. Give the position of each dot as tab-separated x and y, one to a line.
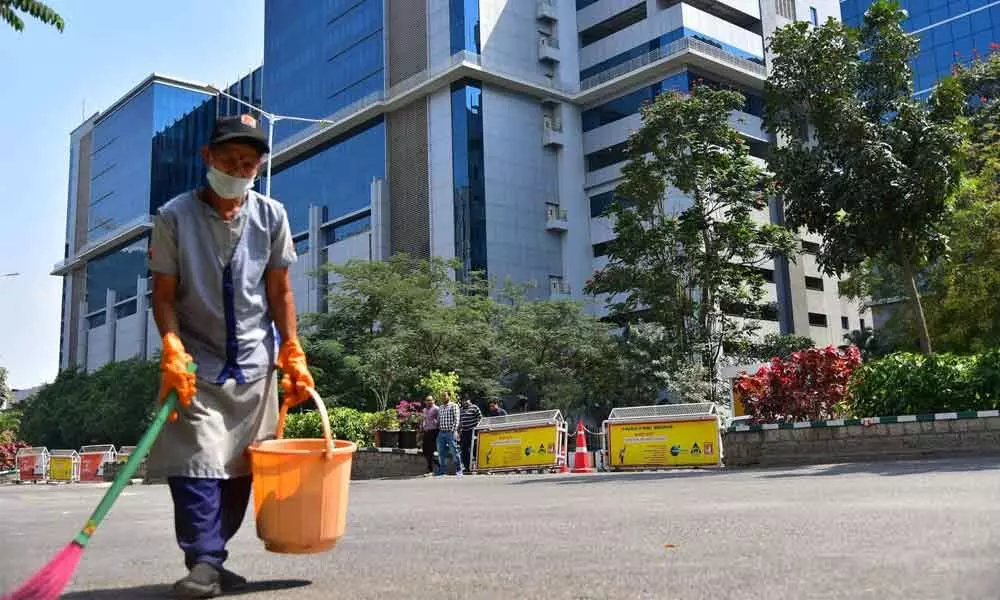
336	176
662	42
118	270
320	57
464	23
468	168
949	31
122	154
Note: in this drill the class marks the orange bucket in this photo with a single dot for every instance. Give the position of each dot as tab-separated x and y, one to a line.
300	488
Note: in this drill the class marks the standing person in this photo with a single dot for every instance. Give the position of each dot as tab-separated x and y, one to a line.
219	257
430	427
447	438
471	416
495	410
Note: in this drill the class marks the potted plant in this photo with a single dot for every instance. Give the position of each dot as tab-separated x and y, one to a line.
410	415
385	425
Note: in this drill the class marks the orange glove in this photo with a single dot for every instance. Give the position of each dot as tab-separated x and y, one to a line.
296	382
174	372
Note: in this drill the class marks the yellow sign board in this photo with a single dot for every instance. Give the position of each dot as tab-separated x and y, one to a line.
61	468
529	447
671	444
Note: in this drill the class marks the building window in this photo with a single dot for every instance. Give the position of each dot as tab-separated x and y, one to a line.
606	157
126	309
465	26
817	320
613	25
785	8
602	249
810	247
814	283
352	228
845	323
118	270
582	4
96	320
813	17
862	324
468	171
302	246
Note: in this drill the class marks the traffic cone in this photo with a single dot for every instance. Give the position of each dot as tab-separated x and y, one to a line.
564	463
581	458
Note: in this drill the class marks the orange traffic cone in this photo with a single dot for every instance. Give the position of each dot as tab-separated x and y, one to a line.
581	458
564	461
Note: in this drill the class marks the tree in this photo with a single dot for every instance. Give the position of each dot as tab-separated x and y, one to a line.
965	285
9	10
688	268
863	163
553	349
772	345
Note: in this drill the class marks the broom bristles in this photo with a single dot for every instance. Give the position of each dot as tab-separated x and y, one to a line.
50	581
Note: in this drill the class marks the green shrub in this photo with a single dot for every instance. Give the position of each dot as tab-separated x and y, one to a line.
907	384
345	424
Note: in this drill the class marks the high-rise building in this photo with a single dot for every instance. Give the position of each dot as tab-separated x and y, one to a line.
125	162
491	131
950	31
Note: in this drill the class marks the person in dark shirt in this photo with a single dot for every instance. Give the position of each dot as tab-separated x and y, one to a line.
495	410
470	418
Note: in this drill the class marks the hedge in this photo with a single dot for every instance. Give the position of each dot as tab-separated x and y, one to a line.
907	384
345	424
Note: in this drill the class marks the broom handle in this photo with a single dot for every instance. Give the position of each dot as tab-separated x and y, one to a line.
126	473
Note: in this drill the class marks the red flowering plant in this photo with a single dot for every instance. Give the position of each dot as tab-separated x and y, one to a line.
8	450
410	415
811	385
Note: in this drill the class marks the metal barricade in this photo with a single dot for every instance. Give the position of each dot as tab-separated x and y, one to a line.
93	459
520	442
123	455
64	466
662	436
32	464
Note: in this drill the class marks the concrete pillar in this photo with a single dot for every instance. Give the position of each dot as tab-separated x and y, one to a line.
111	320
141	311
380	247
314	278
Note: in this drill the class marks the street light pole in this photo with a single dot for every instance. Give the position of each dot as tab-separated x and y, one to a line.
271	119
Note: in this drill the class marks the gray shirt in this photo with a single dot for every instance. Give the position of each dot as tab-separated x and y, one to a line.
222	310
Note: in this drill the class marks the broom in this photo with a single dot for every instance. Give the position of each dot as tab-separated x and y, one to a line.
49	582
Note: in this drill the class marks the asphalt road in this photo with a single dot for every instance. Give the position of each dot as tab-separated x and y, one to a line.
911	530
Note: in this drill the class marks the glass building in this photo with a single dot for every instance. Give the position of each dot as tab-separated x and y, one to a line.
492	132
950	31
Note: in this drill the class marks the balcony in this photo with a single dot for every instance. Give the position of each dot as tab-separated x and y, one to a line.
552	132
558	289
548	49
547	11
556	219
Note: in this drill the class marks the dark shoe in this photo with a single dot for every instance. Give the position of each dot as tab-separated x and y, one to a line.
201	582
230	581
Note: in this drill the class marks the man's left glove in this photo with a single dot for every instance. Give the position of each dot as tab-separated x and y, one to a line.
296	381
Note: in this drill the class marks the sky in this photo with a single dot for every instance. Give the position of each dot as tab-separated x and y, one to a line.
50	81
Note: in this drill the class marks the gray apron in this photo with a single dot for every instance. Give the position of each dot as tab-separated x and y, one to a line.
210	437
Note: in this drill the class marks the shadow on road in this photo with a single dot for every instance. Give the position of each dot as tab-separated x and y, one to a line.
889	468
144	592
619	477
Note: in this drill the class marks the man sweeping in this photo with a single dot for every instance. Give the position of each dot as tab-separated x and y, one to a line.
219	258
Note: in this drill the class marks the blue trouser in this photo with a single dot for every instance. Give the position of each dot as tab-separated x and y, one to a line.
446	443
207	514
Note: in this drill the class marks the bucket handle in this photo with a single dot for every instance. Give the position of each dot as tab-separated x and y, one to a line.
324	419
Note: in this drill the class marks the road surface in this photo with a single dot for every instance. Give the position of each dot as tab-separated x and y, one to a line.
908	530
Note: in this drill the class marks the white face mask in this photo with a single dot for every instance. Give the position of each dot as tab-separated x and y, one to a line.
227	186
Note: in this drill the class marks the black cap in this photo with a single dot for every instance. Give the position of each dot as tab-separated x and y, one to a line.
239	129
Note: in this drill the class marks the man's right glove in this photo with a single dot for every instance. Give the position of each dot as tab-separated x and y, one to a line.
174	372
